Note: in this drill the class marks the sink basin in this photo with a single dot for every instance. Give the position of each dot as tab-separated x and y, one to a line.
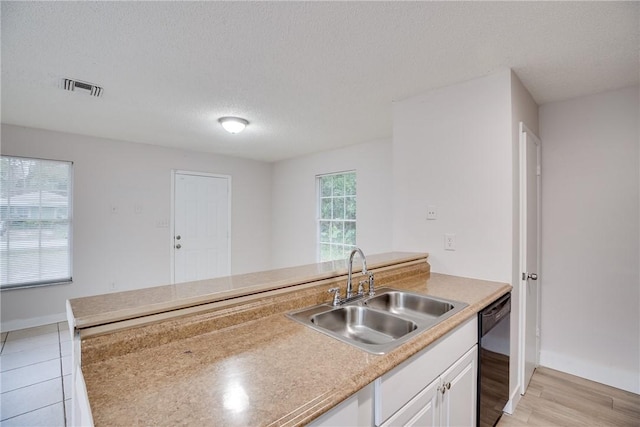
411	305
380	323
364	325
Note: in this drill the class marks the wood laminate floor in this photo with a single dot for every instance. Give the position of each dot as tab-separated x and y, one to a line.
558	399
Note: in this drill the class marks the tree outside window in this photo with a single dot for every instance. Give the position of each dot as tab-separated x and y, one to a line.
336	215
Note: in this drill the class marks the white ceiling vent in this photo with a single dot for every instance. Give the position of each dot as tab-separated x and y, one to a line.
80	86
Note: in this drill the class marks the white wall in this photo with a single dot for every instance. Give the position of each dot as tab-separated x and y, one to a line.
128	248
452	149
590	237
456	148
294	227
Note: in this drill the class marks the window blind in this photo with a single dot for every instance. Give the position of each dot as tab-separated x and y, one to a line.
35	222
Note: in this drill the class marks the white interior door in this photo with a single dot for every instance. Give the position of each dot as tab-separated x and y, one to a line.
200	226
529	254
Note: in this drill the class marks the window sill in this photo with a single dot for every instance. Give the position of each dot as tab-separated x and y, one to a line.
34	285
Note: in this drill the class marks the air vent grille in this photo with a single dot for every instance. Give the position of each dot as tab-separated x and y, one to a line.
80	86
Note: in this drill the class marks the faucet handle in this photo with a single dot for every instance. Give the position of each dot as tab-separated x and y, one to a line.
336	295
361	287
372	290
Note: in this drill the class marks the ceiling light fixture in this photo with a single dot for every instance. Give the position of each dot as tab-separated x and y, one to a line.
233	124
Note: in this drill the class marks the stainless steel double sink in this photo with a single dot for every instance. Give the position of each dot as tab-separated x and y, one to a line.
380	323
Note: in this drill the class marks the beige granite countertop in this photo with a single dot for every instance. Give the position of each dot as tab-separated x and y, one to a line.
268	371
118	306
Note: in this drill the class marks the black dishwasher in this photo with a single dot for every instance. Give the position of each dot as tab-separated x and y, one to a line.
493	355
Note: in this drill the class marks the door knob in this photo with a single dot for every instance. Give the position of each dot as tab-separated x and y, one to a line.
532	276
178	237
178	246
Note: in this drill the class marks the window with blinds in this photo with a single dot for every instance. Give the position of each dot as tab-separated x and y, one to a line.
35	222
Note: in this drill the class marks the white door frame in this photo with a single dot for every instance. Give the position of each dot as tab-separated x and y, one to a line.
523	254
172	230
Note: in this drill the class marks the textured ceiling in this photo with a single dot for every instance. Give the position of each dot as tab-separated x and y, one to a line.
309	76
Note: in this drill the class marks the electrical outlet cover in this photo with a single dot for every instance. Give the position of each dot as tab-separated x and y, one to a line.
449	242
432	212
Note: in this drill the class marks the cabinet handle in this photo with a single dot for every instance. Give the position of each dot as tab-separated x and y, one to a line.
444	388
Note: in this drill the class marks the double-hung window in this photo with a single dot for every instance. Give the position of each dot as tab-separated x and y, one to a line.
35	222
336	215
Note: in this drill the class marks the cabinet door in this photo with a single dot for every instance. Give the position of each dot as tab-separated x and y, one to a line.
421	411
460	391
345	414
397	387
356	410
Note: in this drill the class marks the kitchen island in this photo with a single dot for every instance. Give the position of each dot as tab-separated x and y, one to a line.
232	357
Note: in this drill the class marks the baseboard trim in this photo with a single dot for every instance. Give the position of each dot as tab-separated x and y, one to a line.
14	325
608	375
514	399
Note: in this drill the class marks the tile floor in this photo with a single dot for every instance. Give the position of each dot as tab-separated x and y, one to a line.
35	376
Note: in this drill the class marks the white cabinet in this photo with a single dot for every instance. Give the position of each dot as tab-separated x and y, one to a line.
458	390
357	410
436	387
450	400
80	409
422	410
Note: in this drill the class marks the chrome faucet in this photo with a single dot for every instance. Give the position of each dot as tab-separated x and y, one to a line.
360	294
364	270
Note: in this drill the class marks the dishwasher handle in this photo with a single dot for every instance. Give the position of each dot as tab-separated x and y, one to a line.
494	313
